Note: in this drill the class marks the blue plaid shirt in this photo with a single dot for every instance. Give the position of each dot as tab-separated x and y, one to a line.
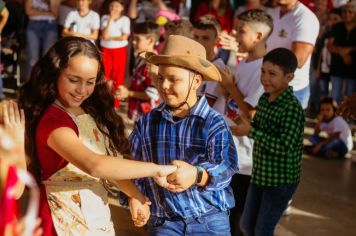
201	138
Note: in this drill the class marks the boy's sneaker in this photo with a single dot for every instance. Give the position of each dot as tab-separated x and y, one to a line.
331	155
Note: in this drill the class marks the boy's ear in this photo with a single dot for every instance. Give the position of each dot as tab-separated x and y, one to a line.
197	81
289	77
259	36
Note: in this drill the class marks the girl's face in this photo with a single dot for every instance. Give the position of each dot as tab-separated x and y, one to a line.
327	111
116	7
77	81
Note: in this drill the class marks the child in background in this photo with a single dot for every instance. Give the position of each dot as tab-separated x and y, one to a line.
82	22
206	32
142	96
115	30
12	159
277	130
245	88
186	132
339	138
74	139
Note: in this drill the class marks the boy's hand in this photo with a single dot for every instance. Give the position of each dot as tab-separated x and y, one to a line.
228	42
184	177
122	92
161	177
140	212
243	126
227	78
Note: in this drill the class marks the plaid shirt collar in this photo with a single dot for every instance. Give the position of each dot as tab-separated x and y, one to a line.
282	97
201	109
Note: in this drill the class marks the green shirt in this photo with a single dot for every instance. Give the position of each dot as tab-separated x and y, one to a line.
2	5
277	130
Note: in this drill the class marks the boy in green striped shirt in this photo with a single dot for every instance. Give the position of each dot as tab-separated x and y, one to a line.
277	130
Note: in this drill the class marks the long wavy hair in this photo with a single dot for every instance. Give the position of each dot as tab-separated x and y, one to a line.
41	90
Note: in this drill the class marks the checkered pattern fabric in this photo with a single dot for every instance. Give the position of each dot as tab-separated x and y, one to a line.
277	130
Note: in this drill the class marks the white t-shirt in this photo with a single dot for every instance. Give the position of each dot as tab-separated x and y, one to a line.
84	24
338	124
212	89
248	80
42	6
117	28
298	25
63	12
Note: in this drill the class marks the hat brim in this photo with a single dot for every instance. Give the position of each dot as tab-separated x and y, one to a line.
200	65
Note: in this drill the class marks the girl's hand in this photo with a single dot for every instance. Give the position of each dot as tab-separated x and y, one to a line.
161	176
140	211
12	134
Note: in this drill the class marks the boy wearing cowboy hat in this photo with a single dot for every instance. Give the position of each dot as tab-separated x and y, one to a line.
188	133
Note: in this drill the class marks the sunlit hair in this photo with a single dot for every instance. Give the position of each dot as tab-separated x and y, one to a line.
208	22
41	90
258	16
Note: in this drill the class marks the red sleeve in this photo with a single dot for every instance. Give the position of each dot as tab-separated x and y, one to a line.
52	119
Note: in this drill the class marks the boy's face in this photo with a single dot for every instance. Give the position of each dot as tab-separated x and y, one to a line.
326	111
332	19
83	4
207	38
273	79
142	42
246	36
348	13
174	83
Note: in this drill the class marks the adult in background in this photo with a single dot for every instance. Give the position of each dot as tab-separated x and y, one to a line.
295	28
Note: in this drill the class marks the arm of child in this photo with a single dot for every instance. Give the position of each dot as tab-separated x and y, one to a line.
66	143
292	127
12	148
228	83
122	93
220	166
185	176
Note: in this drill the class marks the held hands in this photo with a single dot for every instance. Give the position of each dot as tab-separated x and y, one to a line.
243	125
140	211
181	179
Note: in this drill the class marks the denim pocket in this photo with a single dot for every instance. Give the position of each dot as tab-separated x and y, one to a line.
218	223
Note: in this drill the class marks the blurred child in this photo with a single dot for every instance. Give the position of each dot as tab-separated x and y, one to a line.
245	89
12	159
277	130
206	32
74	140
339	138
186	132
142	96
82	22
115	30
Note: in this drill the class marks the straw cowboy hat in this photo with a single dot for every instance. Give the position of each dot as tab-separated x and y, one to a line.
187	53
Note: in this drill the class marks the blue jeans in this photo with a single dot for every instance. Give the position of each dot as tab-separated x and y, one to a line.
336	87
40	36
303	96
212	224
264	207
337	145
